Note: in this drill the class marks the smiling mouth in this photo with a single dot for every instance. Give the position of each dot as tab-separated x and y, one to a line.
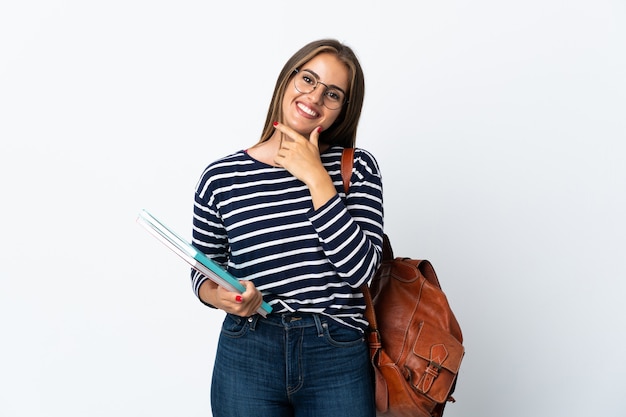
307	110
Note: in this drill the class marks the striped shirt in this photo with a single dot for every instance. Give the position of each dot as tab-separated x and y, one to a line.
258	222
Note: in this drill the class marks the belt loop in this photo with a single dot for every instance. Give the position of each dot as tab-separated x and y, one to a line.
318	325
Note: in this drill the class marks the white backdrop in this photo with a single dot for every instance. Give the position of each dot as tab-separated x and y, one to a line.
499	128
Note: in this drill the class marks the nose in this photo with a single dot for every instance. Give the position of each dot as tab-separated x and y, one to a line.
317	95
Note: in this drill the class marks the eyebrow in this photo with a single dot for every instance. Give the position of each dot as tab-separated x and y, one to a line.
336	87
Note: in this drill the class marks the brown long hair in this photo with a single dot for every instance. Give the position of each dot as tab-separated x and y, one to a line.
343	130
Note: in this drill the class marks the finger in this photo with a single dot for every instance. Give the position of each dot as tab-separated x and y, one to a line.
289	132
250	290
315	135
228	300
252	297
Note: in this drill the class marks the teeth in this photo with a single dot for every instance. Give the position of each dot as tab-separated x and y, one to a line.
307	110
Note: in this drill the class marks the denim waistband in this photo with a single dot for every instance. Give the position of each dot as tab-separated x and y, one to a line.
289	320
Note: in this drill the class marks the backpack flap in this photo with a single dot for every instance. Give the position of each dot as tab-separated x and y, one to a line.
435	362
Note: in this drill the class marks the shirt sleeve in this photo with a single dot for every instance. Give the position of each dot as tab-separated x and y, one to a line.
351	231
208	234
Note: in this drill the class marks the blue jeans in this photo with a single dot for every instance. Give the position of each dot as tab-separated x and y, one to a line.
291	365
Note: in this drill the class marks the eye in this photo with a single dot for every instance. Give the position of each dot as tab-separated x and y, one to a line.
334	95
308	79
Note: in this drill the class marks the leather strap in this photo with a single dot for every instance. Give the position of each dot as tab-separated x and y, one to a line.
347	162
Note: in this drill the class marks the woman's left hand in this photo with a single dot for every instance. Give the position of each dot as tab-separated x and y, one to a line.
299	155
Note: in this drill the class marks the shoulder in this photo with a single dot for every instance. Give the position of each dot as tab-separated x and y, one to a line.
364	161
227	163
367	160
222	168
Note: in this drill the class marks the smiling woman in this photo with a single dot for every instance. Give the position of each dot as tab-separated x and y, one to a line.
499	127
275	215
343	131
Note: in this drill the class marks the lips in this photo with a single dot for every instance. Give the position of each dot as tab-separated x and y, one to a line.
307	110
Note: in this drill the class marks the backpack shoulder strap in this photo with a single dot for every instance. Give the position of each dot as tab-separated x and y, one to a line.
347	162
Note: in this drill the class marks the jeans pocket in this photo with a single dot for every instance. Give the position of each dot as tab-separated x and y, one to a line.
341	336
234	326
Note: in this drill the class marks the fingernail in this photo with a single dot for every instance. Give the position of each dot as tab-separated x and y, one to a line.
319	129
238	298
275	123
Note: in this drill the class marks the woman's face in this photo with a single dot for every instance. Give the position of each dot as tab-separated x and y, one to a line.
304	112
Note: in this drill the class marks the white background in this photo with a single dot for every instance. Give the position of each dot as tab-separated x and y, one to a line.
499	127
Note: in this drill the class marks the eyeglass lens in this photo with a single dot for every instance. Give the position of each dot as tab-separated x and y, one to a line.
305	82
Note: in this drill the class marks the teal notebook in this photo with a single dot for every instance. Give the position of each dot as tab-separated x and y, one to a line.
198	260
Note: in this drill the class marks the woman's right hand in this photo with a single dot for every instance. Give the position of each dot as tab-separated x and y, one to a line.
243	305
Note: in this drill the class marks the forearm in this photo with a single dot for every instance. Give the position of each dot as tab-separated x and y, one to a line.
322	189
354	249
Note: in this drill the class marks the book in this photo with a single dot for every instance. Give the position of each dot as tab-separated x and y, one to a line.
194	257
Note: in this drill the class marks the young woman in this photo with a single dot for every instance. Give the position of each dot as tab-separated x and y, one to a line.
276	217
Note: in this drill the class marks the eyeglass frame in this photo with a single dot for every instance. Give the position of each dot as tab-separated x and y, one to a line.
317	82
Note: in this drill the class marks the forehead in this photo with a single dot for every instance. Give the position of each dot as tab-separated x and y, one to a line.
329	69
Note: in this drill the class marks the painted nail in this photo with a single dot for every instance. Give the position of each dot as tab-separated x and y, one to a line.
319	129
238	298
275	123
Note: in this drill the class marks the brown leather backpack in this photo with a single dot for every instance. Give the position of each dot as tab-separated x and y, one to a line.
416	344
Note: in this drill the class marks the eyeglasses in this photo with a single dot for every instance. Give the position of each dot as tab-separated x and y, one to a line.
306	82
